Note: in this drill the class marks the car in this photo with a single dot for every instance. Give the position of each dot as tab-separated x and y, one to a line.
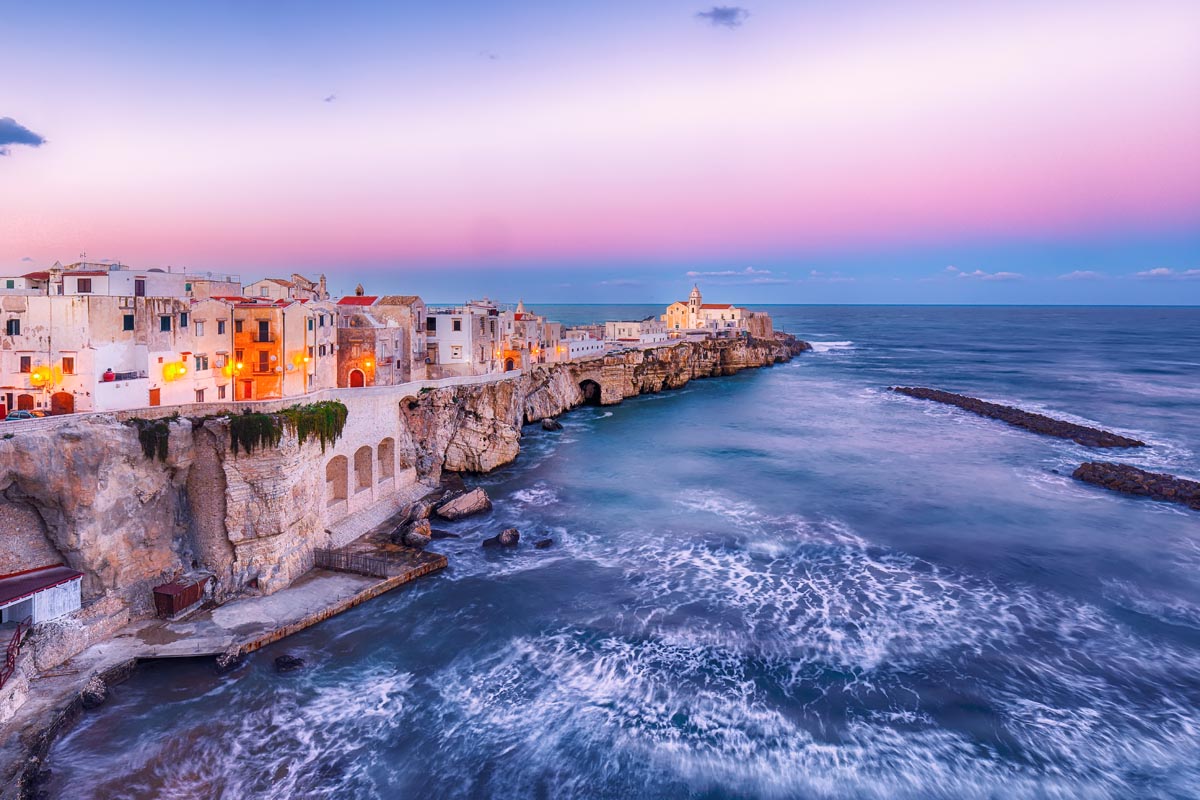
22	414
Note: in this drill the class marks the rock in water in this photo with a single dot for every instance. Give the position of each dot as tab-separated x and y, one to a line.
417	534
436	534
229	660
94	693
542	544
509	537
1131	480
549	424
288	662
475	501
416	540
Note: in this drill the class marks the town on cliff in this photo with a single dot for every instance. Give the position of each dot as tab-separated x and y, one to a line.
108	337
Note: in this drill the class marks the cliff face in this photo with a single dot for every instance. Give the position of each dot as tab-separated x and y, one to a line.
83	493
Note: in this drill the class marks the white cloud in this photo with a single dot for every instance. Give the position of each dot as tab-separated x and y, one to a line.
729	273
1168	273
621	282
1081	275
990	276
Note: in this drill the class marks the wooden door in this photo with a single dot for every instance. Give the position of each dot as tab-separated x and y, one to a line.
155	397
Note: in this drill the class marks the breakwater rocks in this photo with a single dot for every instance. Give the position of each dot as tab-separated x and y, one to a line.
1131	480
1038	423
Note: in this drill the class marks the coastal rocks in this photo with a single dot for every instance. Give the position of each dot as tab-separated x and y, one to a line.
550	424
1038	423
288	663
94	693
230	660
542	544
473	502
417	534
1131	480
509	537
436	534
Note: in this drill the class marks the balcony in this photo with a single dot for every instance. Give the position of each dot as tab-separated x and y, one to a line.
264	338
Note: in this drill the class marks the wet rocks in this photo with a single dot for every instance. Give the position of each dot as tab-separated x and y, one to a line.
436	534
417	534
230	660
288	663
542	544
509	537
475	501
1038	423
1131	480
94	693
549	424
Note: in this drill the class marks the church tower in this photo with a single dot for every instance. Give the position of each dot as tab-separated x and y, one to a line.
694	302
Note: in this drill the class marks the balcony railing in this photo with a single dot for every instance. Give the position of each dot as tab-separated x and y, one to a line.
264	338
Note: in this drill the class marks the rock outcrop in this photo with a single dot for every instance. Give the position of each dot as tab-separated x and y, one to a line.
1131	480
509	537
473	502
1038	423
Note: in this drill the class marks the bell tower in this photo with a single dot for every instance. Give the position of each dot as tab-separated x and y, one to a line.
694	301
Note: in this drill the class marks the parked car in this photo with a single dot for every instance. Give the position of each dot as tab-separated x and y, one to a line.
15	415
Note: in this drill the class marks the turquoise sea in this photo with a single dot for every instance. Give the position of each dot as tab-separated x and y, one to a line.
785	583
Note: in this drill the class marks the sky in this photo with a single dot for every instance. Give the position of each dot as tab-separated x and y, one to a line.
615	150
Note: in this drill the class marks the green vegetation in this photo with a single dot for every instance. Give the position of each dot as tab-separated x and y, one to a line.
324	420
154	435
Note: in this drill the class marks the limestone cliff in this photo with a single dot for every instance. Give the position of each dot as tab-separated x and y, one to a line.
81	491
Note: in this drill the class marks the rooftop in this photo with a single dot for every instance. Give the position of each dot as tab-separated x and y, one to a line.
19	585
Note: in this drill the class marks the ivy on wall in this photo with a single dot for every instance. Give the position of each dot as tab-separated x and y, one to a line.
325	420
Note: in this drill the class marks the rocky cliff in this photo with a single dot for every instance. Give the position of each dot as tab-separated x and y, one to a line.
82	491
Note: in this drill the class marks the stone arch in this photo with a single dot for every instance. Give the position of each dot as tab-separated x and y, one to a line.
336	479
591	392
358	379
509	365
386	454
362	468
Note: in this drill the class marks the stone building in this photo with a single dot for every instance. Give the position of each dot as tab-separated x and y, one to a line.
465	340
694	314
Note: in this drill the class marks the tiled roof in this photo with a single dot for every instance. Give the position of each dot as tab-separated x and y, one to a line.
37	276
717	305
358	300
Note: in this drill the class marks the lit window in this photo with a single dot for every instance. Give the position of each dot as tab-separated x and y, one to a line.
26	363
68	366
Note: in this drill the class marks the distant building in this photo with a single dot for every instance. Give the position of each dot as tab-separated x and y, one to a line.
465	340
642	332
297	287
581	342
694	314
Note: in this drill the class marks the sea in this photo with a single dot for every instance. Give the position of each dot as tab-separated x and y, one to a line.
787	583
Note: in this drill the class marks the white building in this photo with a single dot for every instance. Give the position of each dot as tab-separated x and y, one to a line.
464	340
696	315
39	595
581	344
642	332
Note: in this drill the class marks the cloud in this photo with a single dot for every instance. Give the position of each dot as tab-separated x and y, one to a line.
729	273
724	16
622	282
13	132
489	55
27	258
329	98
1082	275
1166	273
990	276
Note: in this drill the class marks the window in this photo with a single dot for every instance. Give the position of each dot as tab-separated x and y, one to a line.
431	324
139	287
220	392
220	327
68	366
12	327
201	363
220	360
237	326
321	350
10	284
127	323
310	323
262	291
456	351
26	363
199	395
456	325
83	285
310	351
164	324
264	331
199	328
187	287
264	361
321	321
183	319
239	355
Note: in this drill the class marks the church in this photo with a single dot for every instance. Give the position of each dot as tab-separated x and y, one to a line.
694	314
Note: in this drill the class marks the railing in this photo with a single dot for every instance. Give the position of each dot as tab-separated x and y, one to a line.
14	647
352	562
264	338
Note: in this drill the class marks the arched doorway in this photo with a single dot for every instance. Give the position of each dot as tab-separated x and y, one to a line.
24	402
591	392
509	365
62	403
336	478
357	379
